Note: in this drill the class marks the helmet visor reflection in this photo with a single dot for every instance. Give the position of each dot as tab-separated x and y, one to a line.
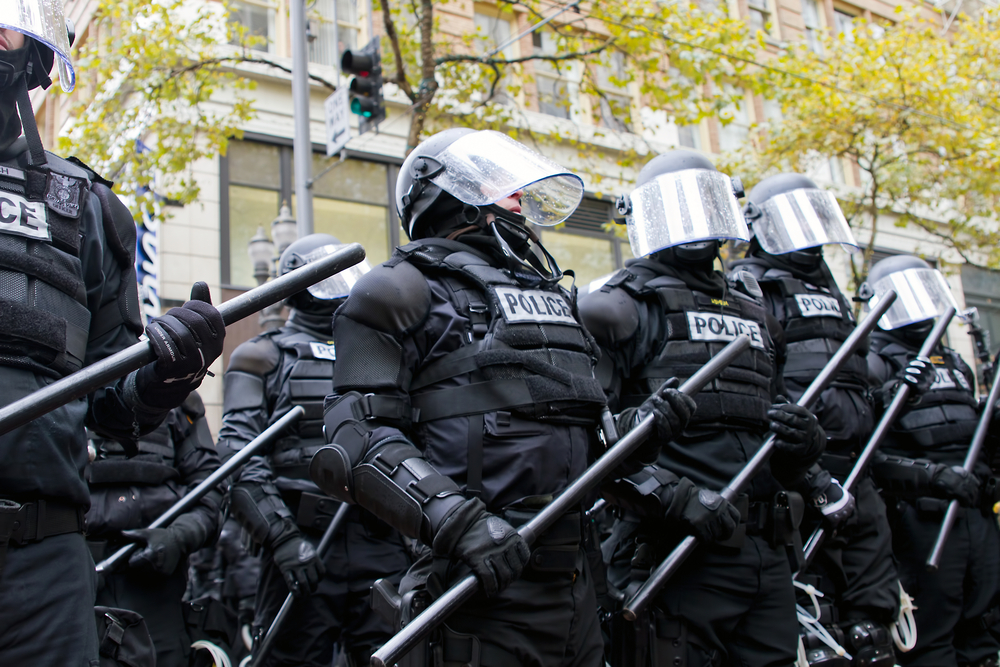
336	286
802	219
487	166
684	207
45	21
921	295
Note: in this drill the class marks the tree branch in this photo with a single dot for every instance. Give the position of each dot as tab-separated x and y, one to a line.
456	58
397	52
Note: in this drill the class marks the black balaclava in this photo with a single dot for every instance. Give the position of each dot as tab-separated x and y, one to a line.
912	335
805	264
319	321
696	269
21	70
11	64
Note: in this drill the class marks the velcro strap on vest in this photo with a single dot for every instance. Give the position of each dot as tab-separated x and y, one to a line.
458	362
376	406
471	399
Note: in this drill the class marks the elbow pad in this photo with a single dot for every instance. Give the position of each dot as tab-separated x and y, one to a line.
262	513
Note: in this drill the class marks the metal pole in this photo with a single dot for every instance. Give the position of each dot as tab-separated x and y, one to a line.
267	643
676	558
978	439
404	641
106	371
881	430
210	482
302	145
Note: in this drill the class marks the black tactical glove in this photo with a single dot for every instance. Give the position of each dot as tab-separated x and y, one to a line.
671	410
955	483
300	565
920	375
485	542
825	494
797	430
165	548
710	517
186	341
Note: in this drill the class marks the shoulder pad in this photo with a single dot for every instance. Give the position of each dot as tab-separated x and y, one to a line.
610	316
193	406
257	356
747	281
94	176
389	298
68	167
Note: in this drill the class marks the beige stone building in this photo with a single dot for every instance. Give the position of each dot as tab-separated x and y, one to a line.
243	190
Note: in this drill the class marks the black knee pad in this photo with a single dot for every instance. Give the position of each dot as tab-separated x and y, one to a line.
870	644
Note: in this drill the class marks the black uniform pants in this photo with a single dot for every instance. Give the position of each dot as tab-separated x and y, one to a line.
540	620
339	610
158	599
951	601
47	604
737	604
858	561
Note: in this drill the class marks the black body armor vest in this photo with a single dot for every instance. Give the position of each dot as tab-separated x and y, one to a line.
307	383
816	320
525	350
696	327
44	318
946	416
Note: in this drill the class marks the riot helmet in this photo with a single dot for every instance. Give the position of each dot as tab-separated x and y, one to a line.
682	202
922	293
48	34
790	216
324	297
461	177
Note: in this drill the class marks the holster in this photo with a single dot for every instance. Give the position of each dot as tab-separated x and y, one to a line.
209	619
930	508
653	639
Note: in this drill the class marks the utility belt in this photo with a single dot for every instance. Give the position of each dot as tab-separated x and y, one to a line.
935	508
556	550
838	465
33	521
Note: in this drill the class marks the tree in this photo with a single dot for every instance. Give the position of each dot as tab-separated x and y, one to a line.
690	62
915	112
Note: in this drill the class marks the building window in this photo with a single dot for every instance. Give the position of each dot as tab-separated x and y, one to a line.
982	290
760	15
615	101
257	17
350	202
813	25
844	23
551	80
735	132
583	245
324	48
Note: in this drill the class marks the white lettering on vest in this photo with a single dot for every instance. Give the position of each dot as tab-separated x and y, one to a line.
942	379
961	379
817	305
526	305
716	327
24	218
323	351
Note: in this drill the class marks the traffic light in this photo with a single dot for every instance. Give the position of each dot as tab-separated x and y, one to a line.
366	86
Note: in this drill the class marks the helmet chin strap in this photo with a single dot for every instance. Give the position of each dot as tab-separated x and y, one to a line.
536	259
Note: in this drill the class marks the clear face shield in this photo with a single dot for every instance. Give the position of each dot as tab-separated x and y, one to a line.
682	207
802	219
336	286
485	167
921	294
44	21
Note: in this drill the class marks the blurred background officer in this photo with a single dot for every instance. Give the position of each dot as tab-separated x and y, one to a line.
919	471
465	399
664	316
73	242
127	494
791	219
273	497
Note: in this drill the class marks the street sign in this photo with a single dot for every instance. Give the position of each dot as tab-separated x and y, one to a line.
338	129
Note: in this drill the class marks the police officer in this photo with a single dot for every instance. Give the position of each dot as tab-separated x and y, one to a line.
465	398
920	471
127	494
791	220
665	315
67	298
273	498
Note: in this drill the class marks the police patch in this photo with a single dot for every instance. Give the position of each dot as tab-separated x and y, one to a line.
723	328
323	351
62	194
24	218
529	305
818	305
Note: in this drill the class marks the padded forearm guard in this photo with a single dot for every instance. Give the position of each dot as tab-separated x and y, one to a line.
900	476
262	513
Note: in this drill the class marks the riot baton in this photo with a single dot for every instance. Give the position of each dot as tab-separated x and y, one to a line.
978	438
134	357
673	561
878	435
453	598
210	482
267	643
